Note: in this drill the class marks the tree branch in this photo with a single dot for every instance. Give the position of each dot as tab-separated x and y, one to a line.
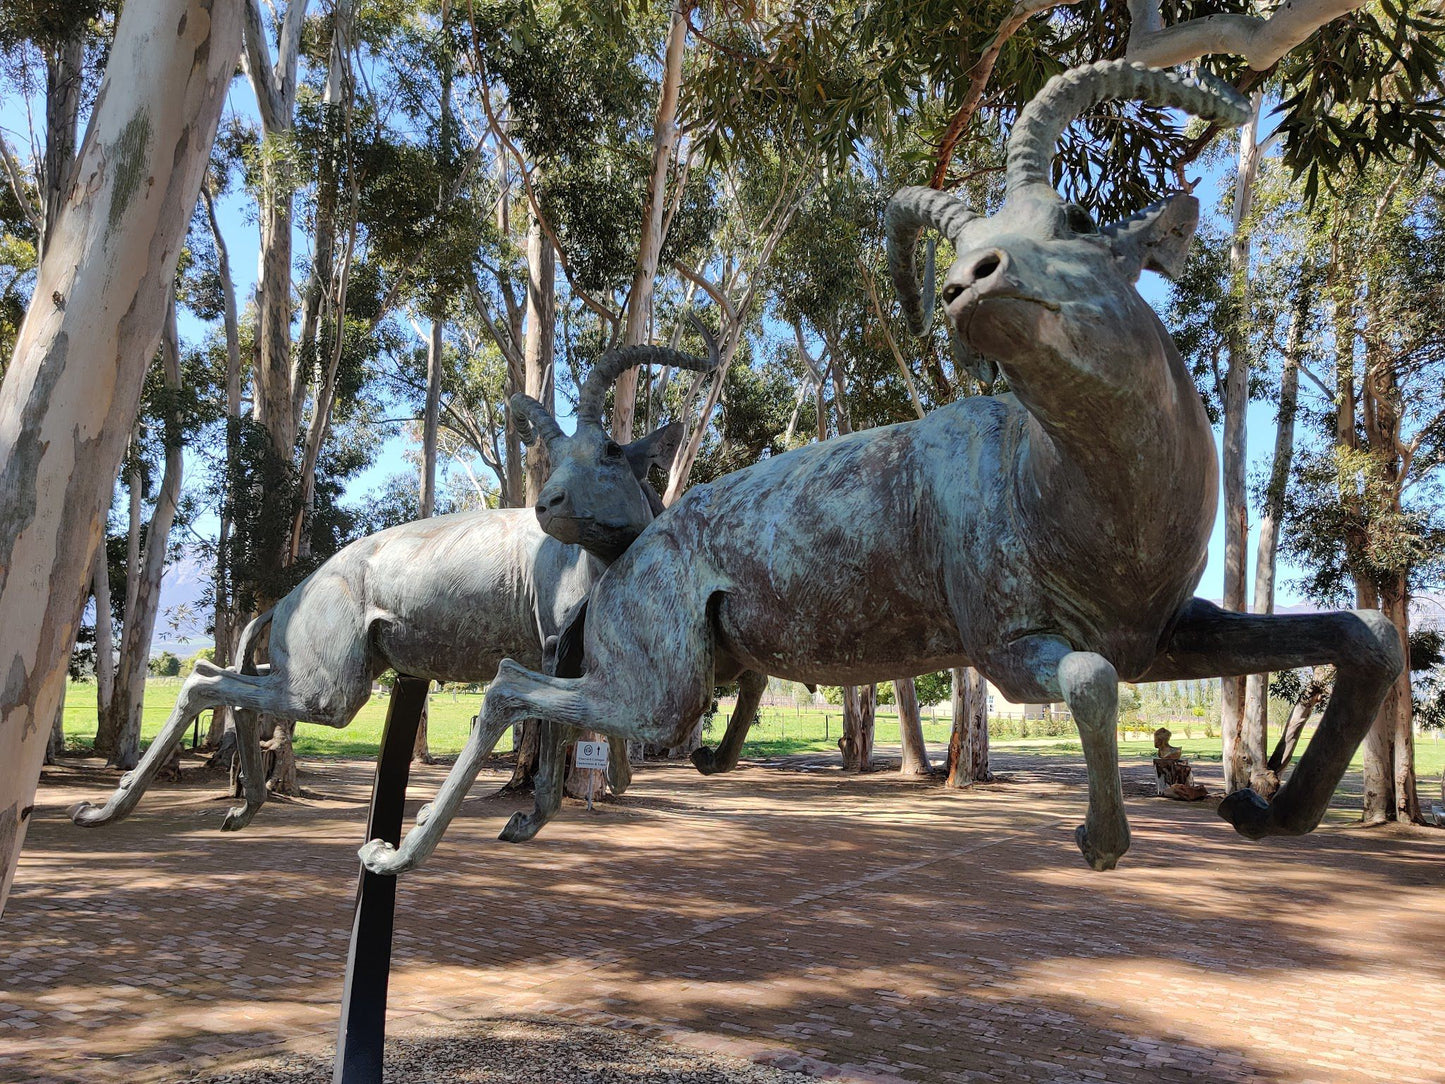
33	214
978	81
1260	41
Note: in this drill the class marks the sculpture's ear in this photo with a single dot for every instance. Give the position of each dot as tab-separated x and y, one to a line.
654	450
1157	238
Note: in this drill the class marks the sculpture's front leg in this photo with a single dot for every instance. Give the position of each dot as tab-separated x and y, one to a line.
1047	669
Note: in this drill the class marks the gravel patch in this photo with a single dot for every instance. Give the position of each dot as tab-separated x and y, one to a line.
524	1050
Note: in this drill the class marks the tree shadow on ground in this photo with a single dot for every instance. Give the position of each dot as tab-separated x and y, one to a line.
916	929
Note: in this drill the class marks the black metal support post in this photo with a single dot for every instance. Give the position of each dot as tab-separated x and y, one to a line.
368	964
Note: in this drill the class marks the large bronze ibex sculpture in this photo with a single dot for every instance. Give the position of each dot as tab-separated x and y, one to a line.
445	598
1051	537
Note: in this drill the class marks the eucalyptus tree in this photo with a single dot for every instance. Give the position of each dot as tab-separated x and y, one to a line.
1366	512
74	381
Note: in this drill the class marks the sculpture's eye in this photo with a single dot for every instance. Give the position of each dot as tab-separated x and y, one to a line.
613	450
1078	219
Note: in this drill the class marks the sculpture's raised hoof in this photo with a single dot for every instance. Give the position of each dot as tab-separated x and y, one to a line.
382	858
705	760
521	828
424	814
1098	859
238	816
1248	812
89	816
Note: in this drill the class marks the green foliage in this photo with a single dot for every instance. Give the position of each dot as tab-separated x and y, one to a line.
934	688
166	664
207	653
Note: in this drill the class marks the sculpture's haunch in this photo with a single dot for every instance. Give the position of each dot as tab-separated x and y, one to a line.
1052	537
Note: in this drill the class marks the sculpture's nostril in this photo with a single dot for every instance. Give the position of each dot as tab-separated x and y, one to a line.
950	291
552	502
986	267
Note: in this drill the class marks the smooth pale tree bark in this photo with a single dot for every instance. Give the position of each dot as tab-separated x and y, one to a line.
1245	752
1314	691
540	344
72	388
1265	779
665	132
540	383
430	419
143	591
910	728
55	747
968	742
104	630
274	85
860	706
227	624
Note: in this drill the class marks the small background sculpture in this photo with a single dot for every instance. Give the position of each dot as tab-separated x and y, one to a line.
1172	773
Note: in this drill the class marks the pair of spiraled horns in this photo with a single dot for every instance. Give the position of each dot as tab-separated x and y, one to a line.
534	420
1031	148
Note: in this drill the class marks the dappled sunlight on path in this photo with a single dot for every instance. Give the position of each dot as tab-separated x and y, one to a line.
889	928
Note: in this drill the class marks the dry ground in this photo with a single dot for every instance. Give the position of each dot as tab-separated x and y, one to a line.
860	927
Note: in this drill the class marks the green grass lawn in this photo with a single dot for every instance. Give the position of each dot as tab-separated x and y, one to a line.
781	731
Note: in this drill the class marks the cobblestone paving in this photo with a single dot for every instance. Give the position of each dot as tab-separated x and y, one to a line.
854	927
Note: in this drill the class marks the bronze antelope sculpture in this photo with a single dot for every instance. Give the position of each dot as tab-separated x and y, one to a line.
444	598
1051	537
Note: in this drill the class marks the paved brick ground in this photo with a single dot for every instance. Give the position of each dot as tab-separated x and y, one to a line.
860	926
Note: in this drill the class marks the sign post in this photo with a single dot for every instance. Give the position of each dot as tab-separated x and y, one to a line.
362	1031
591	754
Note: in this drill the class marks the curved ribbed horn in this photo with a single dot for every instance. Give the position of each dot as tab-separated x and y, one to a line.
910	211
1064	97
615	362
533	419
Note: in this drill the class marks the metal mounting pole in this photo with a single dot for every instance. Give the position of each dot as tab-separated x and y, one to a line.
368	964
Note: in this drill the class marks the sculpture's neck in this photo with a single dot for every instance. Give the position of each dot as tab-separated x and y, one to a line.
1116	443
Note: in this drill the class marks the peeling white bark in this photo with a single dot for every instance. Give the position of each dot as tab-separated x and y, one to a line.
72	389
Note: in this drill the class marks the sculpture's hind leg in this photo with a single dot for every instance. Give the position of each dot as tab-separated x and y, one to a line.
1046	669
253	771
751	686
1366	652
546	783
207	687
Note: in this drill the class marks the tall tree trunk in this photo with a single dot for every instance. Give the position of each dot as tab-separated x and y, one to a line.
144	592
540	344
540	384
1310	697
860	705
910	728
430	421
968	742
110	727
1264	779
55	747
72	388
1244	748
104	633
64	79
227	623
664	142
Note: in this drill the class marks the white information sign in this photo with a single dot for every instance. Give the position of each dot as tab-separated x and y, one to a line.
592	754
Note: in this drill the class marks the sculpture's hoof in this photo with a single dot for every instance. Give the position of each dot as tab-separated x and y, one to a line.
238	816
705	760
1097	858
424	813
87	815
382	858
521	828
1248	812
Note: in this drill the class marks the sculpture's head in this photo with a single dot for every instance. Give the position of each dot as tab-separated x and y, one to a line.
597	495
1038	281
